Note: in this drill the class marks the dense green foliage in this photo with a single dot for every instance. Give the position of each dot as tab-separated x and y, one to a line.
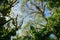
51	30
5	8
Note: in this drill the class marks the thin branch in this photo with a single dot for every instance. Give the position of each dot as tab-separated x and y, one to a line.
41	11
37	7
29	7
6	22
16	22
43	15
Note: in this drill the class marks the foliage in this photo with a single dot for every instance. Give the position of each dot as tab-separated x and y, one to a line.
52	26
44	31
5	9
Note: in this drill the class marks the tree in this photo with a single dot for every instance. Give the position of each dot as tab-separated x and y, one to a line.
39	7
5	9
46	28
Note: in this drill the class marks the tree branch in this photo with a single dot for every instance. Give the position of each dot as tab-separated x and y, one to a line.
41	11
6	22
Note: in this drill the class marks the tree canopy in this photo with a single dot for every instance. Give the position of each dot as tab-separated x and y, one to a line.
39	7
43	28
5	9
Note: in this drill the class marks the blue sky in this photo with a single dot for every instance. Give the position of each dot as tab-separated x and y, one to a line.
17	10
47	13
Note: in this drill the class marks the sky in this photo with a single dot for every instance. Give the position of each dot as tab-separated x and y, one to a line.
16	10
